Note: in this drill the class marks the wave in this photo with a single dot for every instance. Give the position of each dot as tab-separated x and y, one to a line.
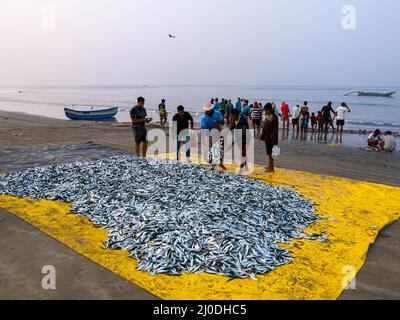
370	123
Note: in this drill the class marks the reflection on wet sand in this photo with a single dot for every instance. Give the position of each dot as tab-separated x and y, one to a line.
312	136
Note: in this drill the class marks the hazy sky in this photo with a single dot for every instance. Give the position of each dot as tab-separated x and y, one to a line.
233	42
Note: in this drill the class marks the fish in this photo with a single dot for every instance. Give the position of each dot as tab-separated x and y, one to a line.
176	218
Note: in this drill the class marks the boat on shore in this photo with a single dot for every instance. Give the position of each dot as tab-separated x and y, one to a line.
372	93
91	115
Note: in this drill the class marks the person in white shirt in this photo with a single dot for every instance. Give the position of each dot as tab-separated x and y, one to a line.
375	141
340	117
389	142
296	117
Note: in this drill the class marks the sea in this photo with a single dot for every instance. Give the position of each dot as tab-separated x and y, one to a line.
368	113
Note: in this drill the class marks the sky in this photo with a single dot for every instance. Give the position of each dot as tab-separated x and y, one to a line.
218	42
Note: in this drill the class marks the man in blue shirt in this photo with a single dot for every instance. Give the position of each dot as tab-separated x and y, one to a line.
239	105
217	105
212	119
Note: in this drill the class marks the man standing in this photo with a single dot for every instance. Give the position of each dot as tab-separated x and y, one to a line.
340	118
163	113
182	119
256	116
304	117
239	105
326	115
296	117
240	122
217	104
285	113
212	119
228	116
246	108
270	134
139	120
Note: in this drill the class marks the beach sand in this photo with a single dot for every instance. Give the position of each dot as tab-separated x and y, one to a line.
376	280
18	130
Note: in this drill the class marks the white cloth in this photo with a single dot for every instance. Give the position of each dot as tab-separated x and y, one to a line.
341	111
390	143
373	138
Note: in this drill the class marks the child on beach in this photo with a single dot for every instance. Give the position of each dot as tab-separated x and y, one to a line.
162	110
314	121
320	121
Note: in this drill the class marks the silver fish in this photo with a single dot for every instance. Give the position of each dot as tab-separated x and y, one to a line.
175	218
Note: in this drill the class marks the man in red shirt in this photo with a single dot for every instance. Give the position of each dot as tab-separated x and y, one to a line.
285	114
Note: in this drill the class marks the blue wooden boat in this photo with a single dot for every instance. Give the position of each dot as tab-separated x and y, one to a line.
91	115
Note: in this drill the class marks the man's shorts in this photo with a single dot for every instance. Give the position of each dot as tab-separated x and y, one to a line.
295	121
257	122
140	135
304	122
340	122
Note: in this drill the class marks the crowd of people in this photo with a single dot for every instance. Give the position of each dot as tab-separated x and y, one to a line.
243	115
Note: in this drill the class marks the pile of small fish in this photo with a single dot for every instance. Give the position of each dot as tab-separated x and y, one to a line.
175	218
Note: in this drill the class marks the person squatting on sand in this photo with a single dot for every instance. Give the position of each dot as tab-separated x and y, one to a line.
212	119
389	142
270	134
139	120
375	141
182	119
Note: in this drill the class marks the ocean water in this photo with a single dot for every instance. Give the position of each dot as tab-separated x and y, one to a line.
368	113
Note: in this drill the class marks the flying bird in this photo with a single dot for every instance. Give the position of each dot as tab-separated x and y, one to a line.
171	36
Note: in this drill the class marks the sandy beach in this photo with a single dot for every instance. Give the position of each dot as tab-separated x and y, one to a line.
29	141
19	130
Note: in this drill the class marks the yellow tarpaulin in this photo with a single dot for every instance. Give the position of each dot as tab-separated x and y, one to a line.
354	214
